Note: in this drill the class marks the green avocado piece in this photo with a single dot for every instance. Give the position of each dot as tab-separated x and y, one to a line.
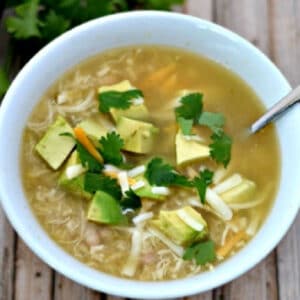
178	229
189	150
105	209
138	136
136	112
243	192
53	147
145	191
74	185
93	129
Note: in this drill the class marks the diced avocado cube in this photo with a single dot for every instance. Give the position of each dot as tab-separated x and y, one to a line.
53	147
122	86
183	226
93	129
138	136
189	150
73	185
146	190
136	112
243	192
105	209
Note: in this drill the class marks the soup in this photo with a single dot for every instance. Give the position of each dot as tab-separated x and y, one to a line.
137	163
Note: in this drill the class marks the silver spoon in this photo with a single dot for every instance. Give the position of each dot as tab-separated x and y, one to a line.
275	111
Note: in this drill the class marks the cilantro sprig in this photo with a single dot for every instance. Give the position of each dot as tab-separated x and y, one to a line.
190	113
161	173
131	201
220	148
94	182
201	183
111	148
119	100
202	253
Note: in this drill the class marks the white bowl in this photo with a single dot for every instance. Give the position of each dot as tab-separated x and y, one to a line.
160	28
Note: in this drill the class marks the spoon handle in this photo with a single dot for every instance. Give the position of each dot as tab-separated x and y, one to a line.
276	110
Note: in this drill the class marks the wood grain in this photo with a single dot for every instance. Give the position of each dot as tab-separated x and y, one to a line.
202	9
285	46
66	289
7	240
33	277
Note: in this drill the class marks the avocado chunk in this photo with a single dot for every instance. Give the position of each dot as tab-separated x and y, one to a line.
53	147
136	112
183	226
93	129
243	192
74	185
138	136
146	190
105	209
189	150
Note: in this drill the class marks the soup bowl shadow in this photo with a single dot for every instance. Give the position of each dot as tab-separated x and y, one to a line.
152	28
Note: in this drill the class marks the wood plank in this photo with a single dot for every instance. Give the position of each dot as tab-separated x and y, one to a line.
65	288
7	240
202	9
33	277
285	49
249	18
259	283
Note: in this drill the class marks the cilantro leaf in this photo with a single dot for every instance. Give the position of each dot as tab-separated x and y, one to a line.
4	82
190	108
94	182
25	24
162	174
131	201
202	182
111	148
220	148
161	5
215	121
203	252
87	160
185	125
54	25
120	100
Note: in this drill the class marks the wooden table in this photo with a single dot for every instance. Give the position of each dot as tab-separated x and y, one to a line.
274	27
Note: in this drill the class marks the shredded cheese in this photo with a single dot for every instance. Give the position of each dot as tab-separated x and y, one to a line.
139	184
137	101
142	217
228	184
216	202
133	259
136	171
123	181
74	171
178	250
160	190
190	221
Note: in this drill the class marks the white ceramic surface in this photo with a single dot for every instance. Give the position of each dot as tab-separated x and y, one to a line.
160	28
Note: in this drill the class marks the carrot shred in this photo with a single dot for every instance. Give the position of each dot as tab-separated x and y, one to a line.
114	175
231	243
87	144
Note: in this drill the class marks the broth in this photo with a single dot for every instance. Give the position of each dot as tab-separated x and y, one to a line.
106	248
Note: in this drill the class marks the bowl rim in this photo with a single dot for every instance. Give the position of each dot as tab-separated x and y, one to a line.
125	287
